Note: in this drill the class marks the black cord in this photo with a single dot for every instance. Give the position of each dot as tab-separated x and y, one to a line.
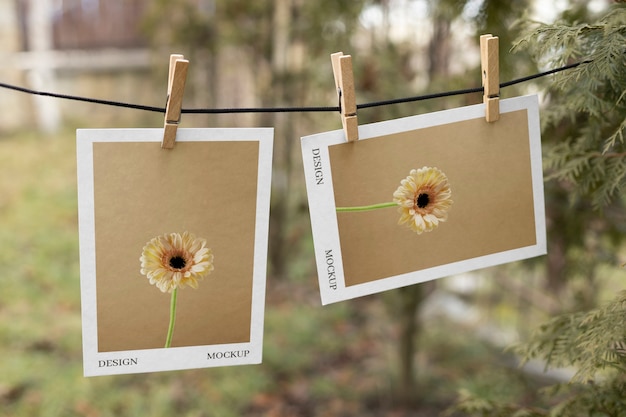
85	99
420	98
262	110
543	74
288	109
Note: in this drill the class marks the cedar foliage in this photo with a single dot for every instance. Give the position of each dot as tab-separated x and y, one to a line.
586	116
592	97
594	343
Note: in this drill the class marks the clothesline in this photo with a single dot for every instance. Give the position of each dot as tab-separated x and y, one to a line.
286	109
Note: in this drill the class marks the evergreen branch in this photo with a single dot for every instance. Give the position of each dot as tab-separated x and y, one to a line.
589	99
585	340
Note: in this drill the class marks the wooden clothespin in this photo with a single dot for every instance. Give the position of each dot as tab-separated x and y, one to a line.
175	89
344	82
490	67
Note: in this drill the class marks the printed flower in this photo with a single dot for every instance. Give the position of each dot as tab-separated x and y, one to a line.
424	198
173	260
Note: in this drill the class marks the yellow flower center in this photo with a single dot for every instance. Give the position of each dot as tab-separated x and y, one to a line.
177	262
422	200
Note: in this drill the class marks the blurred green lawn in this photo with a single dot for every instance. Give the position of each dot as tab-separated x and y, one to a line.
337	360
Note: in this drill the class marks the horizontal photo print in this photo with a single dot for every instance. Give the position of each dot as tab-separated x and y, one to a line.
425	197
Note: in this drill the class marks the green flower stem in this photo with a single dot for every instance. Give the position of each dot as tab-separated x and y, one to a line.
366	208
170	329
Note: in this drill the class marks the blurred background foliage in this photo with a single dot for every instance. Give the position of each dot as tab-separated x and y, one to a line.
423	350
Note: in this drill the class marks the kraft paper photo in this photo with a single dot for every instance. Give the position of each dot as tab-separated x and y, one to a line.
173	247
423	197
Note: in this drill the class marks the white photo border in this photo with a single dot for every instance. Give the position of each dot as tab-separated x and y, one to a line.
318	178
176	358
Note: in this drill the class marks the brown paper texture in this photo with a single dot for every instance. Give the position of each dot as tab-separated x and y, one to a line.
141	192
488	167
214	184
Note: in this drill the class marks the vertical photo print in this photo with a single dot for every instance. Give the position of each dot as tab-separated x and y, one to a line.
424	197
173	247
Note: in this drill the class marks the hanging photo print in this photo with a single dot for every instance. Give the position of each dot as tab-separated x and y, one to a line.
424	197
173	248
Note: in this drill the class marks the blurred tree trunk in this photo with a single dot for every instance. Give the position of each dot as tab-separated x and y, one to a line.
410	299
439	49
556	273
283	132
